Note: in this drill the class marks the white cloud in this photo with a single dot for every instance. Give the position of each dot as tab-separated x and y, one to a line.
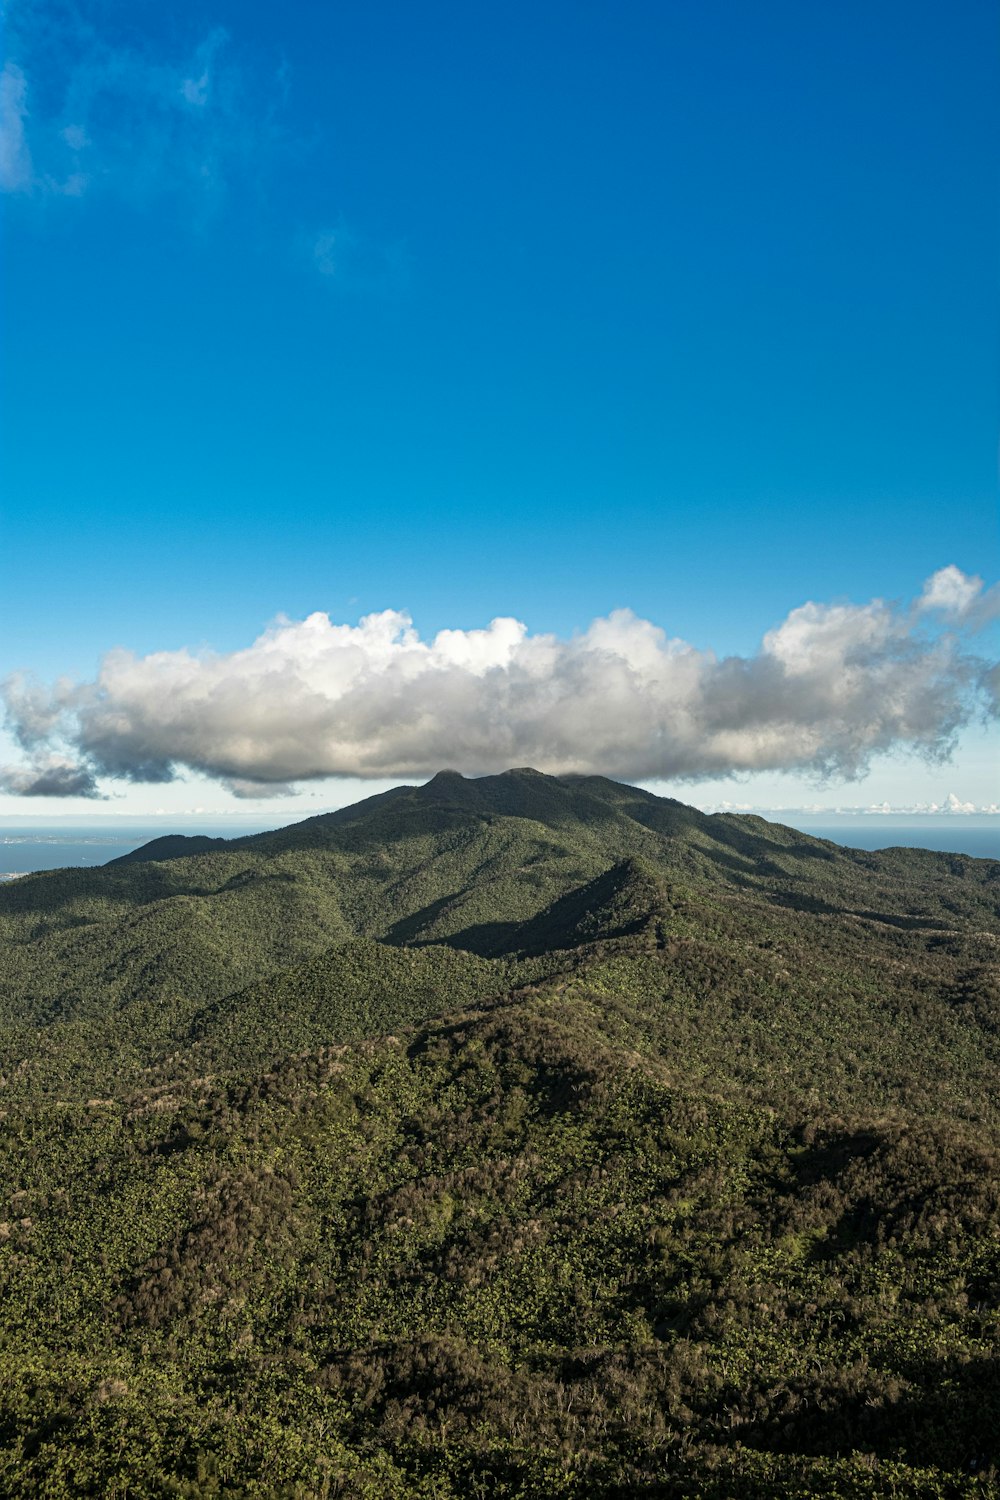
148	123
16	171
959	597
829	688
17	168
951	806
950	590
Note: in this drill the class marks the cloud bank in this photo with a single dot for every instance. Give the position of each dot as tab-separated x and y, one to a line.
829	688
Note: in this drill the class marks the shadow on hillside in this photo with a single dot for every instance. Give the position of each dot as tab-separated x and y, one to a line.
742	867
829	1157
949	1416
410	931
484	939
816	906
245	878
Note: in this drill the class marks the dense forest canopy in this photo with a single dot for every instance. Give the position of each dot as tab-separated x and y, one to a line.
519	1136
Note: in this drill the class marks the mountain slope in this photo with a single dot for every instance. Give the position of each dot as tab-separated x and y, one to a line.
507	1253
463	862
521	1137
357	989
625	900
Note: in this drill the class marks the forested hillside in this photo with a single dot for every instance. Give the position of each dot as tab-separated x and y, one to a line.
521	1136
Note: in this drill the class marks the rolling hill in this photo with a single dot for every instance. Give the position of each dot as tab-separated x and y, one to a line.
513	1136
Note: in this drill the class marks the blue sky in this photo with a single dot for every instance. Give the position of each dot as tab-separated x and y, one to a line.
470	311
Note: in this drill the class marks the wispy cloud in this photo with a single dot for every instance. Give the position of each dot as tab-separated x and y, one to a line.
828	689
196	89
82	112
350	261
16	169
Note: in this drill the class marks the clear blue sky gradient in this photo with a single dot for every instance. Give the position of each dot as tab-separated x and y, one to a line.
475	309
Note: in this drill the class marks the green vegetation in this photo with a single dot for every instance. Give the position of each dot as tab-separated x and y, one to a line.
514	1137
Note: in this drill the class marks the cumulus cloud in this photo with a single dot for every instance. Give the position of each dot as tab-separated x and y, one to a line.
246	789
49	776
952	806
828	689
960	597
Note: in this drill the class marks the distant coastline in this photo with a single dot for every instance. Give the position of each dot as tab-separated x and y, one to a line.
27	850
979	842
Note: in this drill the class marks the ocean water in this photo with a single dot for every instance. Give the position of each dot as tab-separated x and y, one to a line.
24	850
982	843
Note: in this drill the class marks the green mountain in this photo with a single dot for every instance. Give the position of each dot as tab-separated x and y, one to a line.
519	1136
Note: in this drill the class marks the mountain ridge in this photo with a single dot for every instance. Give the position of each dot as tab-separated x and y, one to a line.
459	861
521	1136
